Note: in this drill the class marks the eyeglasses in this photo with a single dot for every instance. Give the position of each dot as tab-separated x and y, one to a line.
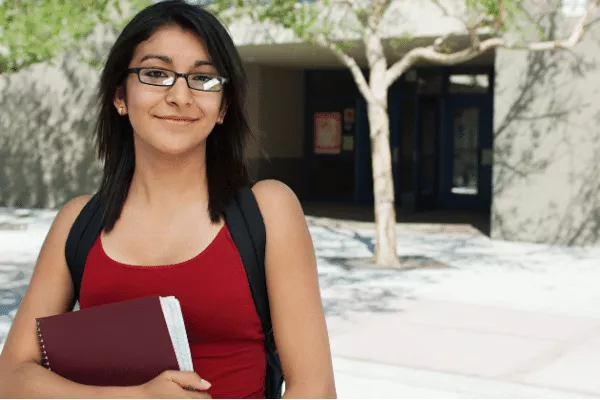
164	77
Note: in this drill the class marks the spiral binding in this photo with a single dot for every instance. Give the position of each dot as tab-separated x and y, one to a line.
45	361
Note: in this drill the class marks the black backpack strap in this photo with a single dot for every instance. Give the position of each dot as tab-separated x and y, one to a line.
83	234
247	229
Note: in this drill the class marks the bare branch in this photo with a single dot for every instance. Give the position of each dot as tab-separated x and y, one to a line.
375	13
478	48
335	21
350	12
379	9
439	42
353	4
351	63
500	21
451	14
575	37
442	7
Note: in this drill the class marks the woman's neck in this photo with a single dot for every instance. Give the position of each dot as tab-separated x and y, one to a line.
169	181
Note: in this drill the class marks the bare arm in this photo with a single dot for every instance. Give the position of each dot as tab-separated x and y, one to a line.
296	308
50	292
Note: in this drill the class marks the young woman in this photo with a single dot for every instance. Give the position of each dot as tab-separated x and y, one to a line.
171	132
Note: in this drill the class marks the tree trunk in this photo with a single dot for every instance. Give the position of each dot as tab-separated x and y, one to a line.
386	254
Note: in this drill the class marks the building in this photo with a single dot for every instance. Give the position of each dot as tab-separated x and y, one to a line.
441	119
511	133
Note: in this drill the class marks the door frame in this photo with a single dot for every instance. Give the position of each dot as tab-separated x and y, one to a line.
420	199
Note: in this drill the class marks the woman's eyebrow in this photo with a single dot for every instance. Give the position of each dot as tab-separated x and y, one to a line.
169	60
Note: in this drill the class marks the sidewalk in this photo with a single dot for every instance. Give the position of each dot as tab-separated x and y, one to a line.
441	349
364	380
497	319
492	319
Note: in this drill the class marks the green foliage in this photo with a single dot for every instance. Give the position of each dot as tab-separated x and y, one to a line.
508	12
33	31
308	18
400	42
301	17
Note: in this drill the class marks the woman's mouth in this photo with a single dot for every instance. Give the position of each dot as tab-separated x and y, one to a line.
173	119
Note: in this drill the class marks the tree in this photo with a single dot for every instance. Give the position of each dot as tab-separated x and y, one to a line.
33	31
487	24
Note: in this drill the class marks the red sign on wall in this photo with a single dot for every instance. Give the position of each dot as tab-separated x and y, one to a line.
328	133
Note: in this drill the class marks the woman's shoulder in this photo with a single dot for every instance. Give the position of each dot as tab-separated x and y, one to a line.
277	202
69	211
271	187
273	193
74	206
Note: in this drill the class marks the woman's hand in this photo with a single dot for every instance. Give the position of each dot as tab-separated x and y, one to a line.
175	385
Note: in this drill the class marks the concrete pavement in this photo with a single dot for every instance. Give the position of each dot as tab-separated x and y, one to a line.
497	319
490	319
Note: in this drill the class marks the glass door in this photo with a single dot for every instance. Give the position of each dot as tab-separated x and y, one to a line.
467	176
427	153
465	151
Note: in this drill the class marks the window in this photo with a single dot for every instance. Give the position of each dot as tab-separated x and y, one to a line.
468	83
430	81
574	8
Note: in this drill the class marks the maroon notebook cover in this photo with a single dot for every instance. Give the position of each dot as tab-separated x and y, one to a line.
118	344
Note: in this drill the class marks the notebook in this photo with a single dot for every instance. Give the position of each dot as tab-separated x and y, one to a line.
119	344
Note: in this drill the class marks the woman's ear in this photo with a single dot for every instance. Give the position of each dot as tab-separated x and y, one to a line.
222	112
119	101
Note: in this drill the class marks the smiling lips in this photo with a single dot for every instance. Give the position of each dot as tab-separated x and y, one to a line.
177	119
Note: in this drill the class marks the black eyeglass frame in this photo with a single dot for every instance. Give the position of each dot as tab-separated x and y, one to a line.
222	80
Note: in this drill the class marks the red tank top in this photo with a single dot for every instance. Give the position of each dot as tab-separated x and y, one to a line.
223	328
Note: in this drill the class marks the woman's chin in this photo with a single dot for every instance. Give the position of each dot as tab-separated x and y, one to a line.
170	144
175	148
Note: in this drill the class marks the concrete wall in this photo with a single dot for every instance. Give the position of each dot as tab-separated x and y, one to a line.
46	122
47	116
253	73
282	125
420	19
547	144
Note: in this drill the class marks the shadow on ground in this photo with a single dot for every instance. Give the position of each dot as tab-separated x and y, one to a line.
480	221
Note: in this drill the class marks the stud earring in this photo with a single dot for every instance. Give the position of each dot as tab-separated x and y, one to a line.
120	110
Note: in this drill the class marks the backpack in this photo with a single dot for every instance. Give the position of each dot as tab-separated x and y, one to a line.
245	223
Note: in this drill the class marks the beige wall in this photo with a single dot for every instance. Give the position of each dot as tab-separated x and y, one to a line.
276	108
253	73
282	112
276	105
547	145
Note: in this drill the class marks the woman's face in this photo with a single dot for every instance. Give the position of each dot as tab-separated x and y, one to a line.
173	120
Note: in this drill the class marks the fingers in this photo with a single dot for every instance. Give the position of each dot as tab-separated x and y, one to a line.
187	379
198	395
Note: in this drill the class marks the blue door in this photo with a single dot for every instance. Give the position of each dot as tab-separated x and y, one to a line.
426	153
467	154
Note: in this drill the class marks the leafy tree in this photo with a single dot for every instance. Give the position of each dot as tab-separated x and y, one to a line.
339	24
33	31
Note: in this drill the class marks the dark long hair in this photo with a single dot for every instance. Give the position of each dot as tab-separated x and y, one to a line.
226	162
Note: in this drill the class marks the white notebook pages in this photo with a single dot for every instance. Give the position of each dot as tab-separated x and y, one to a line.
174	318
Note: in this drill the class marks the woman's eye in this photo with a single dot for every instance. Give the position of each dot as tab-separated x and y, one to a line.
202	78
155	73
